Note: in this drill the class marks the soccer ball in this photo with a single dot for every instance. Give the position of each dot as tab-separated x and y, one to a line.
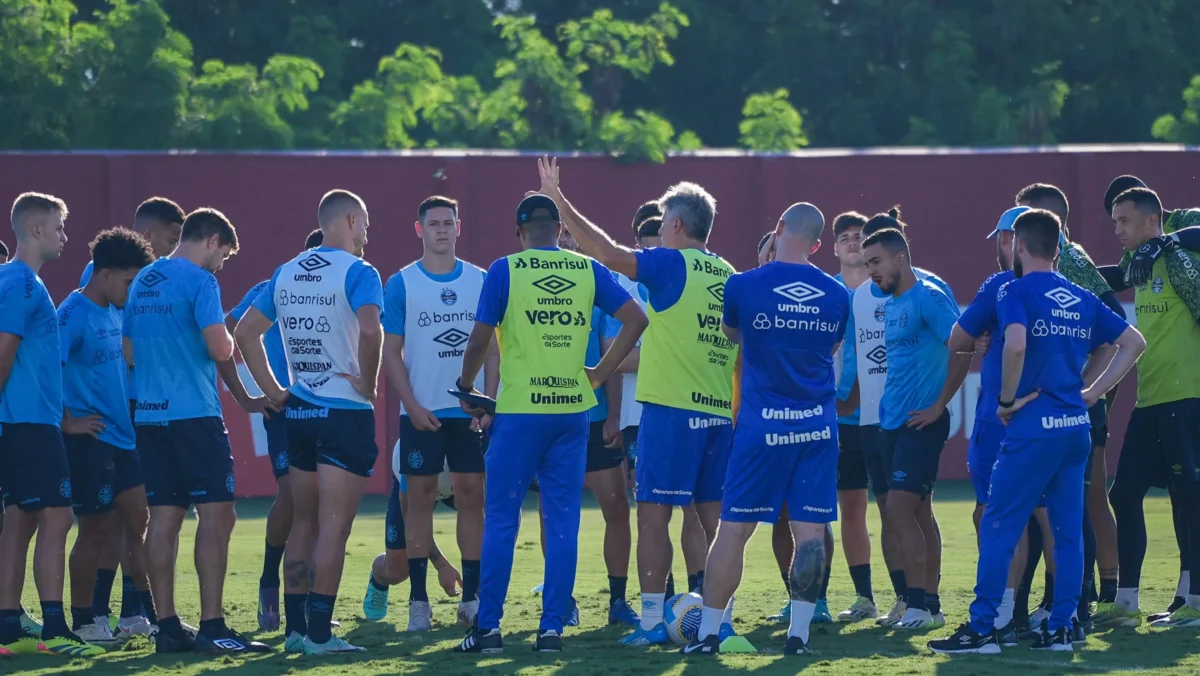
682	615
445	485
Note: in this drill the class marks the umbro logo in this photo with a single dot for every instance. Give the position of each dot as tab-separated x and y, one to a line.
153	278
229	644
799	292
1063	297
554	285
451	338
313	262
717	290
878	355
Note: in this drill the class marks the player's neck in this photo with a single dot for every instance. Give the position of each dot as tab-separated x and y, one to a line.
689	243
91	290
1036	265
854	275
27	255
908	279
438	264
193	252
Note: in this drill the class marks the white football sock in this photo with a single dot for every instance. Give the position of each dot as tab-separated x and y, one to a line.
1127	599
1005	612
802	614
710	622
1185	584
652	609
727	618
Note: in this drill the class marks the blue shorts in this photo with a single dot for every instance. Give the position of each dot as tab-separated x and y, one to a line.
768	469
982	451
915	455
99	473
393	537
682	456
33	467
277	444
339	437
186	462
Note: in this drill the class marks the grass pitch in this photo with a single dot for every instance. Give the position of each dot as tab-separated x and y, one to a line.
591	649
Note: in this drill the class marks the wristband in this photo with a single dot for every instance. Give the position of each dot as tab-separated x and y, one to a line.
459	385
1006	404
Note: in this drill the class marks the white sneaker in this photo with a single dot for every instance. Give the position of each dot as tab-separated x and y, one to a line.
536	590
895	614
128	627
916	619
467	610
862	609
420	616
97	633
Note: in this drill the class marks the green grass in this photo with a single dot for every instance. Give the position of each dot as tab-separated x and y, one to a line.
591	649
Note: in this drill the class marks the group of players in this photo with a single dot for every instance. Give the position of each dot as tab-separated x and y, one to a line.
794	392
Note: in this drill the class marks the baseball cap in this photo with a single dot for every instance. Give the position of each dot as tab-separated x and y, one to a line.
533	203
1007	219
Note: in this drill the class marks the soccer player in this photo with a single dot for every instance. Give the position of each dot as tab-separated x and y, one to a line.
538	303
918	319
686	385
647	227
279	517
1162	442
783	545
159	220
108	493
327	300
1050	327
605	473
865	368
429	310
33	458
391	567
175	337
977	331
789	318
1079	269
852	476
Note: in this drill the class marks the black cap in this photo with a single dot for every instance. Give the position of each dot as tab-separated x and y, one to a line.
533	203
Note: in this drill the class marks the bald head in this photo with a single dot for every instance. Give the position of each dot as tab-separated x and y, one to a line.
804	221
335	205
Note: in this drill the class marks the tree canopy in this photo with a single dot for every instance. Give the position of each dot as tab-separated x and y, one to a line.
635	78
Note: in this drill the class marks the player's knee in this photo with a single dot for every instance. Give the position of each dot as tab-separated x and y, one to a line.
54	521
468	495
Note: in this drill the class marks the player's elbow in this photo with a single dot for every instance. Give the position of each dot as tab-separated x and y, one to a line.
1132	339
220	348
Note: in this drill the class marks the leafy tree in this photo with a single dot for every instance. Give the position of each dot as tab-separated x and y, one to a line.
771	123
1186	127
34	35
233	106
129	72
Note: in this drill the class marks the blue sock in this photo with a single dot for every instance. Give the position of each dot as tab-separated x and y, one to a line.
376	585
170	626
214	627
293	614
148	606
417	569
10	625
102	592
272	556
470	573
54	622
81	617
320	614
131	598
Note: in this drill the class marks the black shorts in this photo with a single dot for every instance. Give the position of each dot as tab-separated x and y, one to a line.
454	444
393	537
1162	444
339	437
915	454
33	467
852	466
277	444
599	456
186	462
630	434
877	456
1098	417
99	473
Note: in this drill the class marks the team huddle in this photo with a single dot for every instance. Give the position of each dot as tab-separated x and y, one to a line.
778	395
